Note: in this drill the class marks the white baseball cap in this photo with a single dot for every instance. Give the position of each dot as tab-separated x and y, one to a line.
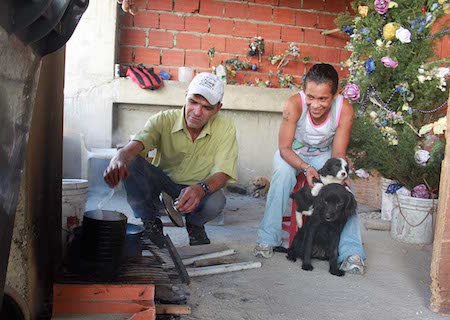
208	85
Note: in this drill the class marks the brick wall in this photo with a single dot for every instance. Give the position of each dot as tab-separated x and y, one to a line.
168	34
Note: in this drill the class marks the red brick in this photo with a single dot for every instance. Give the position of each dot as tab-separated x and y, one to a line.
335	6
308	51
245	29
236	10
172	57
141	4
171	21
314	37
159	5
126	55
265	66
294	67
132	37
160	39
291	34
197	24
196	59
190	6
329	55
272	2
233	45
314	4
326	21
291	3
212	8
284	16
146	19
261	13
126	20
221	26
222	57
268	31
344	55
268	48
344	73
337	39
187	41
216	42
280	47
306	19
147	56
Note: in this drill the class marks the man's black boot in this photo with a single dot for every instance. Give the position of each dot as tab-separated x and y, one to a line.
197	234
154	230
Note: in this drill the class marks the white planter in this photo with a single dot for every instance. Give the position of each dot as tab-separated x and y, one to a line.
412	219
387	200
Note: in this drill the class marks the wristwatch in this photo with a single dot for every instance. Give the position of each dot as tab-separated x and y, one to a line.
204	186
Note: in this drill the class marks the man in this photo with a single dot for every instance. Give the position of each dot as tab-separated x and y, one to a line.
196	156
316	125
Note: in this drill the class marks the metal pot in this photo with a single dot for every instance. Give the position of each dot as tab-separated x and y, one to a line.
103	238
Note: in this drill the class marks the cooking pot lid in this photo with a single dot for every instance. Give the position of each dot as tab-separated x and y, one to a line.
133	229
105	215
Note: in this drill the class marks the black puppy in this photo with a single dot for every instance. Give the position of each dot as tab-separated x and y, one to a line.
335	170
319	237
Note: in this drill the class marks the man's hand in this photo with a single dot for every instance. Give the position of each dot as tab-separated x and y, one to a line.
190	198
311	173
128	6
116	171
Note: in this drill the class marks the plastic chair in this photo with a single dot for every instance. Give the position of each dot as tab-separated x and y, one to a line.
93	153
289	223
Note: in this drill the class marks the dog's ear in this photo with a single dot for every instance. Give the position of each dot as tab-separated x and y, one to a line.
350	204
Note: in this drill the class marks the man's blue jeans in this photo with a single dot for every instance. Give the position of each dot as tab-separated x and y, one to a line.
283	181
145	183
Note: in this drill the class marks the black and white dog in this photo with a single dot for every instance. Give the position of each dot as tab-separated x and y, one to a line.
335	170
319	237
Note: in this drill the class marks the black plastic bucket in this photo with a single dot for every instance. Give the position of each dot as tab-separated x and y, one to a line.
103	238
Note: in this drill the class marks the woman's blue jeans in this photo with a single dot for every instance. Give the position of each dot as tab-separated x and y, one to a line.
283	181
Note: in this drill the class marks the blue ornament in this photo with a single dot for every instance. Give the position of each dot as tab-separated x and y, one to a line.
383	122
348	30
393	187
434	6
370	65
365	31
401	90
368	39
254	67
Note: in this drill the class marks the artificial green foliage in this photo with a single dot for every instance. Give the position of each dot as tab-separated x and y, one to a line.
369	150
396	86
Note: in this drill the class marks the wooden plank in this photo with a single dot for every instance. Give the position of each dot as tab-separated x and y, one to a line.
192	251
172	309
195	272
223	253
103	292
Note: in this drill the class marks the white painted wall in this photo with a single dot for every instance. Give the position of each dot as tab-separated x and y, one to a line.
108	110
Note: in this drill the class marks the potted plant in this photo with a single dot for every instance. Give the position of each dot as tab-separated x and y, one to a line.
399	91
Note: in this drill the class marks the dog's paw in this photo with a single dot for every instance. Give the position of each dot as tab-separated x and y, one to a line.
291	257
307	267
337	272
299	219
316	189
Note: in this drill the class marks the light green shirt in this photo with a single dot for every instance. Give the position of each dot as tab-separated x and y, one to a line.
186	161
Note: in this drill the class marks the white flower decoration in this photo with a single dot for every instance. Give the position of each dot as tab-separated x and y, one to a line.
403	34
421	157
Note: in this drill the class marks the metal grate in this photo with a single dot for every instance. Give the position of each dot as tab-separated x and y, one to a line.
164	266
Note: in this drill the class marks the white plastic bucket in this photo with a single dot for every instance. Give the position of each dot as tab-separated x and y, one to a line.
387	200
74	195
412	219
